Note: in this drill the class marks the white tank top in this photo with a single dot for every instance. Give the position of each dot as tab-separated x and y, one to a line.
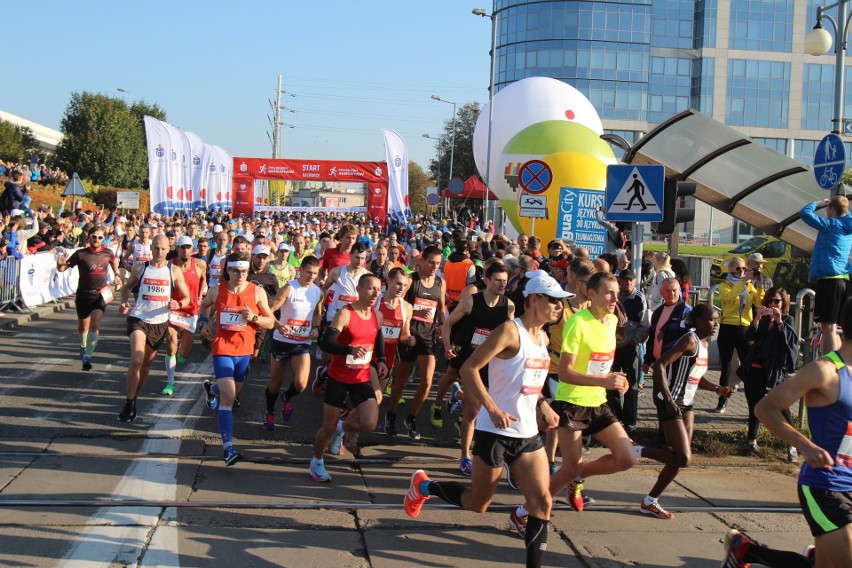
141	253
155	291
215	269
345	289
515	383
298	312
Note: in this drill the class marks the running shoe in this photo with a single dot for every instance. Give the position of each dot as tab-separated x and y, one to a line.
736	548
128	413
721	407
82	354
319	380
389	387
390	424
453	403
414	498
286	410
809	552
269	421
458	423
553	468
212	399
435	417
655	509
169	390
318	472
87	363
232	456
753	448
509	479
518	523
336	442
237	403
410	424
575	496
466	466
350	442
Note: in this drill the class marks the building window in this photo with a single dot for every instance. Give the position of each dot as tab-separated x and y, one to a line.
818	96
762	25
758	93
777	144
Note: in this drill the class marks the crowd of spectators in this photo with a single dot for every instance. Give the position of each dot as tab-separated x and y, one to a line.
34	172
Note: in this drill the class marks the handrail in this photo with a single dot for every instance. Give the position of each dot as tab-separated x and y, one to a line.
800	310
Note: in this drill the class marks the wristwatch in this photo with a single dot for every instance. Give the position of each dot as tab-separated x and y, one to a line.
254	319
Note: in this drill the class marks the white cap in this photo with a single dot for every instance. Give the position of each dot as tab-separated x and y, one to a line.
261	249
184	241
217	228
540	282
16	213
285	246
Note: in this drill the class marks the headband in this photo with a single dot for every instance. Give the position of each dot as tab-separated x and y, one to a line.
238	264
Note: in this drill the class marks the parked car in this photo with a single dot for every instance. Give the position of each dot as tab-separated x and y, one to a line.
787	265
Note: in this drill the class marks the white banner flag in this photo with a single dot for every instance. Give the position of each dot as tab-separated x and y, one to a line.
225	170
397	156
157	142
196	170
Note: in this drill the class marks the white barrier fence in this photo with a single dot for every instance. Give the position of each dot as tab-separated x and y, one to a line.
40	282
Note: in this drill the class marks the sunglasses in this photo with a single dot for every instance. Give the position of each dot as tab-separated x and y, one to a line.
553	301
774	301
738	269
98	237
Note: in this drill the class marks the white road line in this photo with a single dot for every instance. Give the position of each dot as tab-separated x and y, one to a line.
121	535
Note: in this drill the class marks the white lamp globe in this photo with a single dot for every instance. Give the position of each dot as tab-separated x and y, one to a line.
818	41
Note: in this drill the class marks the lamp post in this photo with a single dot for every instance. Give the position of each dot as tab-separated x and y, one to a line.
125	94
452	140
493	17
439	169
817	42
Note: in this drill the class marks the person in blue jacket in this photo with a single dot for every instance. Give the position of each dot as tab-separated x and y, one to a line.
830	266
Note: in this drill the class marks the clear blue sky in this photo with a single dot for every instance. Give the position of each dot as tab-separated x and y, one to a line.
354	67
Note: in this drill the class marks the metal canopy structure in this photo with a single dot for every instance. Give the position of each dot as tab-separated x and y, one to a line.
747	180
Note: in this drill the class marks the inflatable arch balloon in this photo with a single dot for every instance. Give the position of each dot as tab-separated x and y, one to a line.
544	119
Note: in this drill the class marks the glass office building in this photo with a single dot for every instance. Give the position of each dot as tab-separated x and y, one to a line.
641	61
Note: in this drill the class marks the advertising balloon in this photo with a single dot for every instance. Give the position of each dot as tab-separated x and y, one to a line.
544	119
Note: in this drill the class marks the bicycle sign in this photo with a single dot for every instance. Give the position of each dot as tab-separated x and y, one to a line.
829	161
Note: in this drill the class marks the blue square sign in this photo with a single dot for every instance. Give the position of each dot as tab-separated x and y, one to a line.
635	193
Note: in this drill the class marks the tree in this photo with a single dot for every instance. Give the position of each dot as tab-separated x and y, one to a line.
11	142
104	140
418	181
464	165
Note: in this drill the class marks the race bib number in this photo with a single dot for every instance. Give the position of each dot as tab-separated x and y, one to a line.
391	331
106	294
600	364
844	452
479	336
300	330
347	299
535	373
154	290
693	379
353	362
182	321
232	319
424	310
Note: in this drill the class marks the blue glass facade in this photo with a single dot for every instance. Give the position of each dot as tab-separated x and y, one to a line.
762	25
758	93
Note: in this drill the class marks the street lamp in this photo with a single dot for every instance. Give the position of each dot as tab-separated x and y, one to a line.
452	137
818	41
126	94
493	17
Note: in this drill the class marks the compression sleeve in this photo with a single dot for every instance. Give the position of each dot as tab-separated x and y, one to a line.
379	349
330	344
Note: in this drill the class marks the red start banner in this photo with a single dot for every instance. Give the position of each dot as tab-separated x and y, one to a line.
373	174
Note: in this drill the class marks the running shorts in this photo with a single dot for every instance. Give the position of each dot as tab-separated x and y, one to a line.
497	451
421	347
831	294
336	392
283	351
587	419
663	414
825	511
231	367
155	333
87	304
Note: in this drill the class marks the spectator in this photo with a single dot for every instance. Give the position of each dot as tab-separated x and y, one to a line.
615	237
663	270
755	262
667	321
681	272
13	195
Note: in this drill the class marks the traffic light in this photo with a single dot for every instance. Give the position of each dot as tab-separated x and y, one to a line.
672	214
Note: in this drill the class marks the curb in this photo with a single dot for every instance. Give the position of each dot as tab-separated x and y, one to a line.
13	320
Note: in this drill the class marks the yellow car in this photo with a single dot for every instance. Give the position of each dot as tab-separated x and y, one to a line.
787	265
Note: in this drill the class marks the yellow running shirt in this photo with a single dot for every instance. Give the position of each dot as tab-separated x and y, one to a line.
593	342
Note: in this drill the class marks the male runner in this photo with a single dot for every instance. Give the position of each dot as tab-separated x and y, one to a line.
352	338
300	302
141	249
825	480
260	275
426	294
475	317
588	350
299	252
240	307
507	432
148	322
93	292
183	322
217	259
338	256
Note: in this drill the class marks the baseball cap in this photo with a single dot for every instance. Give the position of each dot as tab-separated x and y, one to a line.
561	264
217	228
261	249
542	283
184	241
756	257
284	246
627	274
16	213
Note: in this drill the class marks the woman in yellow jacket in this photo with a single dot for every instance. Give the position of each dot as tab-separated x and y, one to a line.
738	293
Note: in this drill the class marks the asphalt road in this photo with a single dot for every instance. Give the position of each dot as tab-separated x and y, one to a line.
79	488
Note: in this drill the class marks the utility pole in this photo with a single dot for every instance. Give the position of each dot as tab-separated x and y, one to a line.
276	122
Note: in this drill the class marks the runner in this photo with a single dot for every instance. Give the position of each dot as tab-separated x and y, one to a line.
825	480
426	294
141	249
260	276
93	292
396	317
588	348
298	254
354	334
148	321
507	432
300	302
477	316
338	256
217	258
240	308
459	271
280	267
183	322
678	374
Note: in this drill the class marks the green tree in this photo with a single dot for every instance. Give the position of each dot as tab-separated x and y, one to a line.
11	142
104	140
464	165
418	181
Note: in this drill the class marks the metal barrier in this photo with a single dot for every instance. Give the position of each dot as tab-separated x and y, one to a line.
803	317
10	291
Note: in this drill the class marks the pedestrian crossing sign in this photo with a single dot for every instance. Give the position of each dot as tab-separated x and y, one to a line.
635	193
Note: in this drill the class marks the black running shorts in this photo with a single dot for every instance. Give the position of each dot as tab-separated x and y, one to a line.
831	294
587	419
336	392
155	333
497	451
86	304
825	511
